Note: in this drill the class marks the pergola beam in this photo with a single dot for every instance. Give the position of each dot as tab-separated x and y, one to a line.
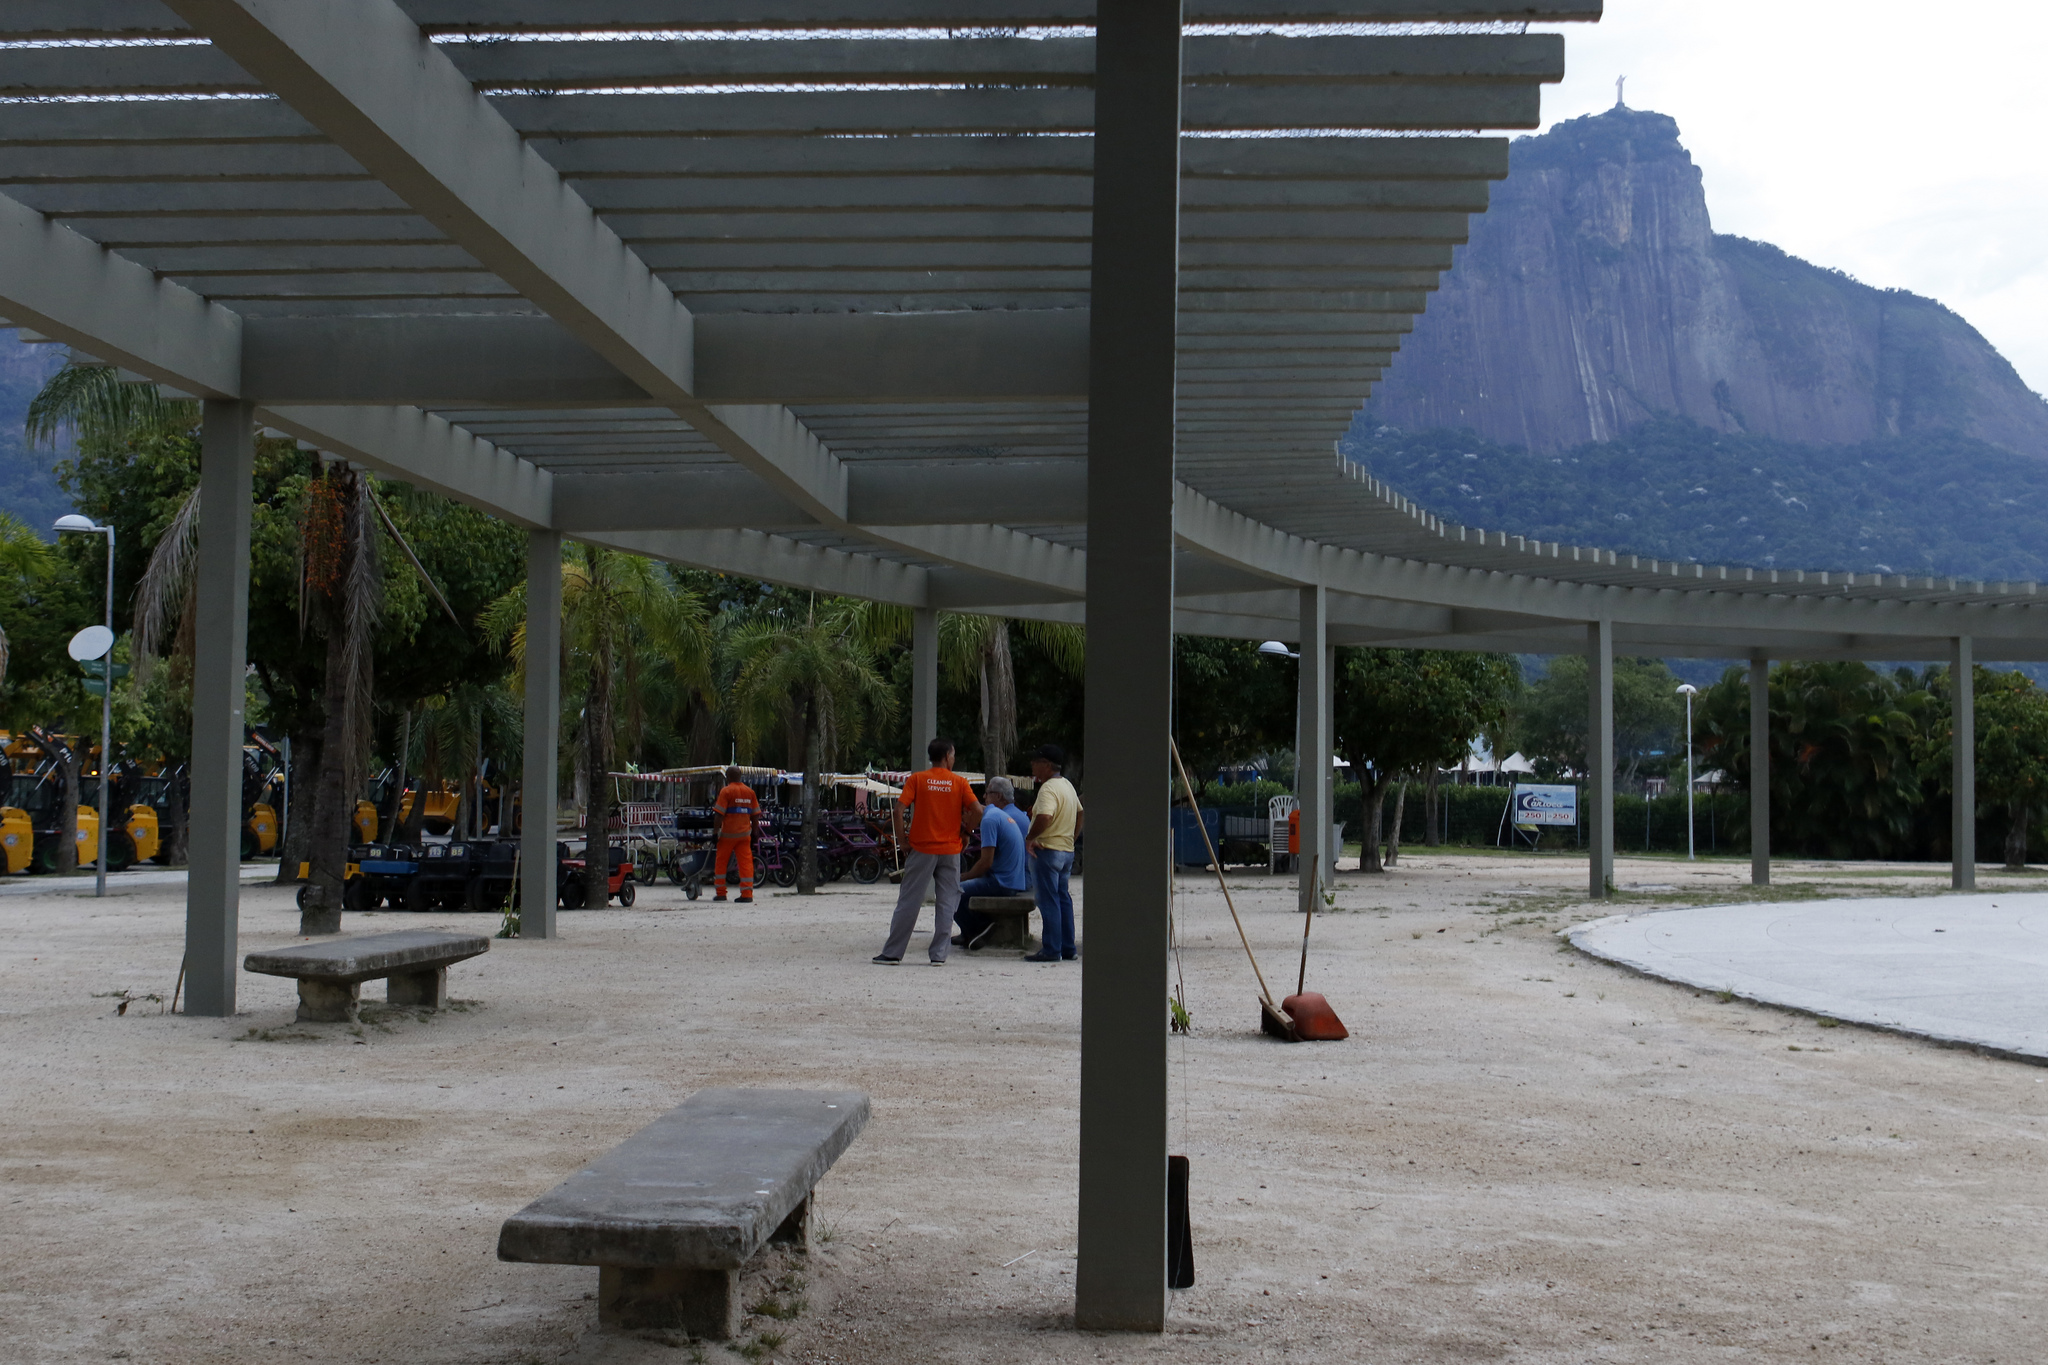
69	288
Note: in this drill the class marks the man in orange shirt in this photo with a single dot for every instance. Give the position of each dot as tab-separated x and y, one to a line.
737	809
1294	837
940	803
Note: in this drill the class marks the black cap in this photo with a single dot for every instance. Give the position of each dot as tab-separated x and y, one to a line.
1053	754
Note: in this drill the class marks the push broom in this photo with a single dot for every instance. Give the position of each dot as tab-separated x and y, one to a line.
1301	1017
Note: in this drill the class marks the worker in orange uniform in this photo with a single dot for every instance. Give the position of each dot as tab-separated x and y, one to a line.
738	810
941	805
1294	837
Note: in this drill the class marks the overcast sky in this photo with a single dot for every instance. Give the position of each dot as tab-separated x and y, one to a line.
1899	142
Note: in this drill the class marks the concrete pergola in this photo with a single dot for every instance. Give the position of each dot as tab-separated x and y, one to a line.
1041	308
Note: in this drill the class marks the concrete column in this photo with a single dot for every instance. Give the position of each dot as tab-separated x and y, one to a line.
220	666
924	685
1599	758
1962	688
1318	862
1759	769
1120	1281
538	770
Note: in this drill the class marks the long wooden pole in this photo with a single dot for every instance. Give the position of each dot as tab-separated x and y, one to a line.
1217	863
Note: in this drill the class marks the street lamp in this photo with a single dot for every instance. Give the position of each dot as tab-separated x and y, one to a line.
1688	691
1275	649
87	526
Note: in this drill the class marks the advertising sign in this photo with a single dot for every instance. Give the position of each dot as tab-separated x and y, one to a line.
1546	805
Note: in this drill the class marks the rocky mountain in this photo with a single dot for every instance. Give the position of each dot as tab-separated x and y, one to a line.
28	488
1595	295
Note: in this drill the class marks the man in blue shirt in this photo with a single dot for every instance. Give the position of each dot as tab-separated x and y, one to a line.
1000	870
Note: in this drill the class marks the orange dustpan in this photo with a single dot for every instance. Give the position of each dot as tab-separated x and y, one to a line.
1313	1019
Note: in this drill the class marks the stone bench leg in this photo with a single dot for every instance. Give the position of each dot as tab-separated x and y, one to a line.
796	1229
327	1002
1009	931
699	1303
426	990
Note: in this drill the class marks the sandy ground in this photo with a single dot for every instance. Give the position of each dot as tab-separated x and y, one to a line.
1504	1162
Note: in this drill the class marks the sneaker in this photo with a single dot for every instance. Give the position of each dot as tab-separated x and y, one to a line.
959	941
885	960
1042	956
938	962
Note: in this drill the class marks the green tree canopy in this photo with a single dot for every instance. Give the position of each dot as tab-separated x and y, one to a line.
1399	711
1549	725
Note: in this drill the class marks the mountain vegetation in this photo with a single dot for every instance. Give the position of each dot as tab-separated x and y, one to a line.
1926	503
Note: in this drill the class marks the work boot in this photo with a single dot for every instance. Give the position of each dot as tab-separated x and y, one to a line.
743	900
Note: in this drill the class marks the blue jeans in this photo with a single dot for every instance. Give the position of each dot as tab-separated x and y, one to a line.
1049	871
970	922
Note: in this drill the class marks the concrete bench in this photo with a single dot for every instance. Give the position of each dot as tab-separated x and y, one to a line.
1011	916
415	964
670	1215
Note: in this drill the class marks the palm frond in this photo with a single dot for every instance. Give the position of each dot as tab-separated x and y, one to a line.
1063	641
94	403
166	583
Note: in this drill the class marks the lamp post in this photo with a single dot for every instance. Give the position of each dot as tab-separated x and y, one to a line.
87	526
1688	691
1275	649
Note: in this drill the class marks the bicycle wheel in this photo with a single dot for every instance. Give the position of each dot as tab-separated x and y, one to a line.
867	869
782	871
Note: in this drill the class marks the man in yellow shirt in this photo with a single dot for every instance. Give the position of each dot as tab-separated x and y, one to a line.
1055	821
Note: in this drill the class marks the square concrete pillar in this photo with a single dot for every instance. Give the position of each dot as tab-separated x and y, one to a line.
924	686
542	737
1317	866
1120	1281
220	666
1962	690
1599	758
1759	769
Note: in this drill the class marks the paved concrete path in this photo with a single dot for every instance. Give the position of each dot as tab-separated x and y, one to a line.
27	884
1965	969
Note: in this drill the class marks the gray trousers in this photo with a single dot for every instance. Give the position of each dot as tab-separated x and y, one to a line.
918	871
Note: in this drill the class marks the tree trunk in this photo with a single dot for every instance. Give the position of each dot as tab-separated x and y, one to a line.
1375	795
298	821
178	801
67	810
1394	834
814	757
326	837
1431	835
998	702
2016	839
597	822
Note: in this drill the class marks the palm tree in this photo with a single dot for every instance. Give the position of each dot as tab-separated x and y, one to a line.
626	625
975	650
816	674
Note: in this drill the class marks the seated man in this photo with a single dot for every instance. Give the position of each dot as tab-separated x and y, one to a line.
999	871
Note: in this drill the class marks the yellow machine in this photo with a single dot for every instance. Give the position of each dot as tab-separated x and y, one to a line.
143	829
442	808
17	838
259	831
366	823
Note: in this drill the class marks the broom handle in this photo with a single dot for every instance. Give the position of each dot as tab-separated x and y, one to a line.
1217	863
1314	885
